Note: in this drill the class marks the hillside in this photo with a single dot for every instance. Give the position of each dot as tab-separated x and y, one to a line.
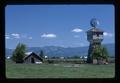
61	51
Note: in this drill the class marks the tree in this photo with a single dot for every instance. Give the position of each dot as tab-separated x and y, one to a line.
96	52
41	54
19	53
105	53
76	57
100	53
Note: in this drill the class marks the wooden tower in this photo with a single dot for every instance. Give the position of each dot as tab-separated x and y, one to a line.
95	37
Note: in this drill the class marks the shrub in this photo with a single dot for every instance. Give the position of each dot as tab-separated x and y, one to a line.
50	61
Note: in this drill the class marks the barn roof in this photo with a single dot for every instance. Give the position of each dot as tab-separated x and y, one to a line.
28	54
95	30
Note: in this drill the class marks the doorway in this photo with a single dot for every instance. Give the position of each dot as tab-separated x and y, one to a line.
32	60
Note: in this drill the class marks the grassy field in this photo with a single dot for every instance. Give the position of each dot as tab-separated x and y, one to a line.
62	70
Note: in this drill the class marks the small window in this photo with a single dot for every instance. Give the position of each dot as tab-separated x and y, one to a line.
97	34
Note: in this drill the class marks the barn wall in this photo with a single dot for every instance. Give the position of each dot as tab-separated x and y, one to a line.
28	60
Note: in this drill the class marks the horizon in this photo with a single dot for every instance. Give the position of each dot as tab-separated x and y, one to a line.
56	25
61	46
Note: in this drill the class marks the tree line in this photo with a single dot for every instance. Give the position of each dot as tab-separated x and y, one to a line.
100	52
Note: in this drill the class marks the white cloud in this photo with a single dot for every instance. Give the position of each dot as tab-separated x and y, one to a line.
18	36
107	34
7	37
15	35
77	30
48	35
29	37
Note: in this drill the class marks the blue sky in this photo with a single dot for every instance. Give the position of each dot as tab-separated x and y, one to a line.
56	25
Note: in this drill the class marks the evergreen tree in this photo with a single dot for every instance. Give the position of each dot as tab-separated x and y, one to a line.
41	54
19	53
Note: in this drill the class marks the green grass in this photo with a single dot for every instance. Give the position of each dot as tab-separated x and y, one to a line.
62	70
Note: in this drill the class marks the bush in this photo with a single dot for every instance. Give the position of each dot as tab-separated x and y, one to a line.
100	53
76	57
50	61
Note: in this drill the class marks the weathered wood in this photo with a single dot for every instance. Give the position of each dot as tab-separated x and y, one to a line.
95	61
32	58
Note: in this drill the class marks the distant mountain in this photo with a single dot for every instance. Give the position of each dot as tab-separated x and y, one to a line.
110	48
8	52
61	51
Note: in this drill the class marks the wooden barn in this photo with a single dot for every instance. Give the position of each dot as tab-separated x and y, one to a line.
32	57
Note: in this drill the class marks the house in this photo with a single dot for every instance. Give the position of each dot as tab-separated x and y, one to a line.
32	57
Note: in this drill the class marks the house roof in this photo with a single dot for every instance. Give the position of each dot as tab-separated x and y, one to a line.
95	30
28	54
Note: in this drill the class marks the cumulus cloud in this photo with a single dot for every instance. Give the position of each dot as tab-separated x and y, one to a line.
7	37
48	35
77	30
18	36
15	35
107	34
